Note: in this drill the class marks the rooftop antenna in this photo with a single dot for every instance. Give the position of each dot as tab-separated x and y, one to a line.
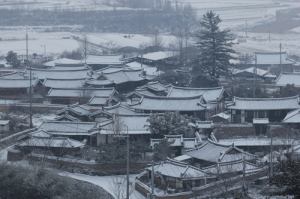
30	86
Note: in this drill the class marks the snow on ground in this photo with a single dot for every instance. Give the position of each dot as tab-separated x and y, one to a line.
104	181
3	155
38	119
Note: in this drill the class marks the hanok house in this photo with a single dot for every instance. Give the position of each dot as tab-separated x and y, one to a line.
49	83
194	106
179	176
42	74
97	62
74	130
70	66
81	95
57	145
74	112
178	142
211	153
268	60
288	78
156	58
257	73
112	126
15	88
118	77
61	61
215	97
245	109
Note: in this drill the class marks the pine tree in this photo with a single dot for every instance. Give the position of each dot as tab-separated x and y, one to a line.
214	45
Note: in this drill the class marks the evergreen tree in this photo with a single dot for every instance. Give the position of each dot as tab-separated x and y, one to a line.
214	45
12	59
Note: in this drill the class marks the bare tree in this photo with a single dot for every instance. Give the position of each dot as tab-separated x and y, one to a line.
85	93
111	46
157	40
84	45
116	127
118	186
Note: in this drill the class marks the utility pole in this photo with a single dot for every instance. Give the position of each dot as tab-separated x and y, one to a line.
152	180
127	190
280	56
30	86
44	50
271	172
254	77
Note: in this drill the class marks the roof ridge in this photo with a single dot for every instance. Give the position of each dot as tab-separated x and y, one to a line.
172	98
263	99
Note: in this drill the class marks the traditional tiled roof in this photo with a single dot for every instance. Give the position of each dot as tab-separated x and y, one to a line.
58	74
221	115
264	103
209	94
259	72
271	58
62	61
13	75
150	70
202	124
68	128
288	78
17	83
170	103
39	133
254	142
63	83
231	167
120	109
67	117
79	92
98	100
105	59
77	109
292	117
156	56
51	142
137	124
69	67
215	152
180	170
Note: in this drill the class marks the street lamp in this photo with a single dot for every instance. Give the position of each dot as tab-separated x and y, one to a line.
127	191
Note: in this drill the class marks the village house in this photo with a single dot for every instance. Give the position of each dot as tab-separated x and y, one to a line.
80	66
4	126
276	59
74	113
61	61
275	109
49	83
211	153
15	88
293	118
260	75
119	77
158	58
288	78
81	95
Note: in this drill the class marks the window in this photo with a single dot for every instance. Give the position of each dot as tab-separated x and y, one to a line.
261	114
250	114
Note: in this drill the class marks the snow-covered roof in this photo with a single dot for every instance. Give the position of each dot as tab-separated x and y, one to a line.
120	109
67	117
58	74
80	92
180	170
260	120
150	70
221	115
76	109
292	117
253	142
204	124
67	128
209	94
52	142
182	158
63	83
170	103
214	152
231	167
69	66
17	83
62	61
13	75
137	65
98	100
271	58
259	72
40	133
105	59
264	103
4	122
288	78
156	56
137	124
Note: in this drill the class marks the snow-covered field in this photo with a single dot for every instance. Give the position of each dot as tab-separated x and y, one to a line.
104	182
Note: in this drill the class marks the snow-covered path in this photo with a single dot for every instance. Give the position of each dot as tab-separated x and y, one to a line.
103	181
